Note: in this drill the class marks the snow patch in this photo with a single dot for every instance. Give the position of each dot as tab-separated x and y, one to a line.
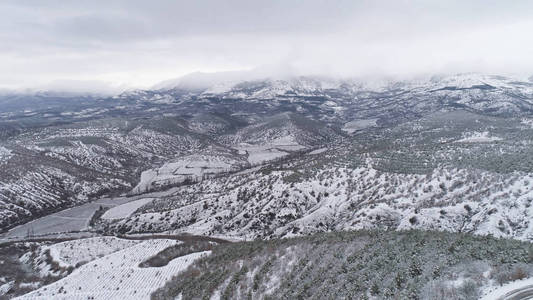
272	150
118	275
192	167
318	151
506	289
478	137
70	253
6	287
527	122
5	154
126	209
357	125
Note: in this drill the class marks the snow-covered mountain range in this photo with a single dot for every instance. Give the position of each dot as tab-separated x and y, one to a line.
262	159
60	152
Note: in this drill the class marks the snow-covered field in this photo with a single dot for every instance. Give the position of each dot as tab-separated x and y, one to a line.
356	125
192	167
5	154
479	137
260	153
6	287
70	220
318	151
125	210
117	275
73	252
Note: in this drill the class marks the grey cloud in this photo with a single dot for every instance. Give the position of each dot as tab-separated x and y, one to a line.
142	42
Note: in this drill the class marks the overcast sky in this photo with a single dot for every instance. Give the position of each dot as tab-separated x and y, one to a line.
95	44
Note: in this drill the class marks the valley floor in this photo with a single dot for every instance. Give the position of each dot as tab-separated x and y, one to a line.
71	221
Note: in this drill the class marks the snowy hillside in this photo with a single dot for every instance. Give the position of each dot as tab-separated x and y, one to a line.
117	275
274	205
442	172
150	140
262	159
357	265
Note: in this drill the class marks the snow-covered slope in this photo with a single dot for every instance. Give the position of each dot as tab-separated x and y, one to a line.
117	275
154	139
262	158
343	198
453	171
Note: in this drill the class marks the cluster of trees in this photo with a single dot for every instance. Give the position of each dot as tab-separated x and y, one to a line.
354	265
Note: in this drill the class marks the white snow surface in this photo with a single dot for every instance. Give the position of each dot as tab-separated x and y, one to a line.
527	122
479	137
70	253
356	125
5	154
260	153
318	151
193	167
6	287
118	275
126	209
480	202
73	253
493	293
